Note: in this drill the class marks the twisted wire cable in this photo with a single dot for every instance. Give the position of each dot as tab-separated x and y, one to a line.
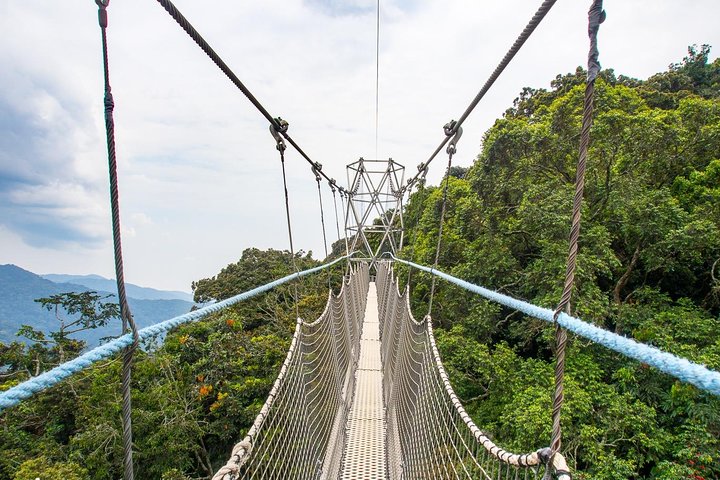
217	60
125	313
514	49
596	15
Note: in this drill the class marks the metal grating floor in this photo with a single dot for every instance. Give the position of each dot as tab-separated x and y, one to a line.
364	456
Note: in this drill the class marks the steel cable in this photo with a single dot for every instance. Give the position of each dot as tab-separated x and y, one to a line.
125	313
514	49
205	47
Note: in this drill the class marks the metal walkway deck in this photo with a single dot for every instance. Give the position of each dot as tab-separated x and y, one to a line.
364	456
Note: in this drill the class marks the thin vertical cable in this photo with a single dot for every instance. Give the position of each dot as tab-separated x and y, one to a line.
451	130
125	314
377	76
322	220
440	231
337	219
287	215
278	128
596	16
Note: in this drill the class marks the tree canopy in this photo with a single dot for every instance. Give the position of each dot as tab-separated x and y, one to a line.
648	268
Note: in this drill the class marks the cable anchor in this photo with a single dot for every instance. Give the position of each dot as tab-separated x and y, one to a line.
277	128
316	169
102	12
453	129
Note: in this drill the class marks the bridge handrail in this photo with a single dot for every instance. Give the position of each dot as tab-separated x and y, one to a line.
533	459
681	368
16	394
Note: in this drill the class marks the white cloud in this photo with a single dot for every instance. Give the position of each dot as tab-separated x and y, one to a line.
199	175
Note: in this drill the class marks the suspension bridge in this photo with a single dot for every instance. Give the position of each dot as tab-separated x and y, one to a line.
362	392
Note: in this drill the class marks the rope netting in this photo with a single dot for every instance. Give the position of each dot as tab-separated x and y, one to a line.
429	434
300	430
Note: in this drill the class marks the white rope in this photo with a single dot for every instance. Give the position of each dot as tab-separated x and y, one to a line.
296	433
430	435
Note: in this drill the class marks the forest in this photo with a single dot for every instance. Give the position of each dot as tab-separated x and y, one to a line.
648	268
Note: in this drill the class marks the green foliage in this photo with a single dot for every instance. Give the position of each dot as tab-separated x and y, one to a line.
193	397
648	268
42	468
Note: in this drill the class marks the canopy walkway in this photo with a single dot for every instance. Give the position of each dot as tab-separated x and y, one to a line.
362	392
366	397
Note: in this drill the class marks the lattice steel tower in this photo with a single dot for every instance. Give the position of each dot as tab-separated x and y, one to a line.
374	217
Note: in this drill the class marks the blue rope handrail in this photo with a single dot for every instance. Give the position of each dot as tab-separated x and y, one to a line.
698	375
16	394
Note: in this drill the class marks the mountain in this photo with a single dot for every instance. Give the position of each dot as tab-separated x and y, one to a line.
19	288
98	283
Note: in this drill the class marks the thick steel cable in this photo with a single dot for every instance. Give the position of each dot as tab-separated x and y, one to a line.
205	47
125	313
595	17
514	49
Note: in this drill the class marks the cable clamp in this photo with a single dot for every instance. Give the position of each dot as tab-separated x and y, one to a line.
316	168
102	12
276	128
452	128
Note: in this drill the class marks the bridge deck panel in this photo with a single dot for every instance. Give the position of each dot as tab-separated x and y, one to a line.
364	456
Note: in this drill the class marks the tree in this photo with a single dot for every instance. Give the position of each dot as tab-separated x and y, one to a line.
75	312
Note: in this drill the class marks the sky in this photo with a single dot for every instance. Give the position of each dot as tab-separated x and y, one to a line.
199	175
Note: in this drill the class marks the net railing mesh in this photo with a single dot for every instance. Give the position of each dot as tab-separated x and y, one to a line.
300	431
429	434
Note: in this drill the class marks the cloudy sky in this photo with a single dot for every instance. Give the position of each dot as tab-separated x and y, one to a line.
200	179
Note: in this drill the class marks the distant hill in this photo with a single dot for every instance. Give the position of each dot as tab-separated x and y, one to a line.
98	283
19	288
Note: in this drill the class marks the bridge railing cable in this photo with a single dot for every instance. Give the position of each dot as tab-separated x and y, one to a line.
429	434
514	49
300	430
275	122
681	368
16	394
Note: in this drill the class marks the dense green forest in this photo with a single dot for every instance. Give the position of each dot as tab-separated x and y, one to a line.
648	268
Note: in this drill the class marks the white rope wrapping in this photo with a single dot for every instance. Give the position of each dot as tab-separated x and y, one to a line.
429	433
299	430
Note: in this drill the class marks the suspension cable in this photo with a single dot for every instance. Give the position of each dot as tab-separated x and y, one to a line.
205	47
125	313
377	76
346	212
337	220
280	145
454	132
519	42
421	185
318	178
596	16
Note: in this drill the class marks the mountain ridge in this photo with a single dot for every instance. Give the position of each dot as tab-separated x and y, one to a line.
97	282
19	288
